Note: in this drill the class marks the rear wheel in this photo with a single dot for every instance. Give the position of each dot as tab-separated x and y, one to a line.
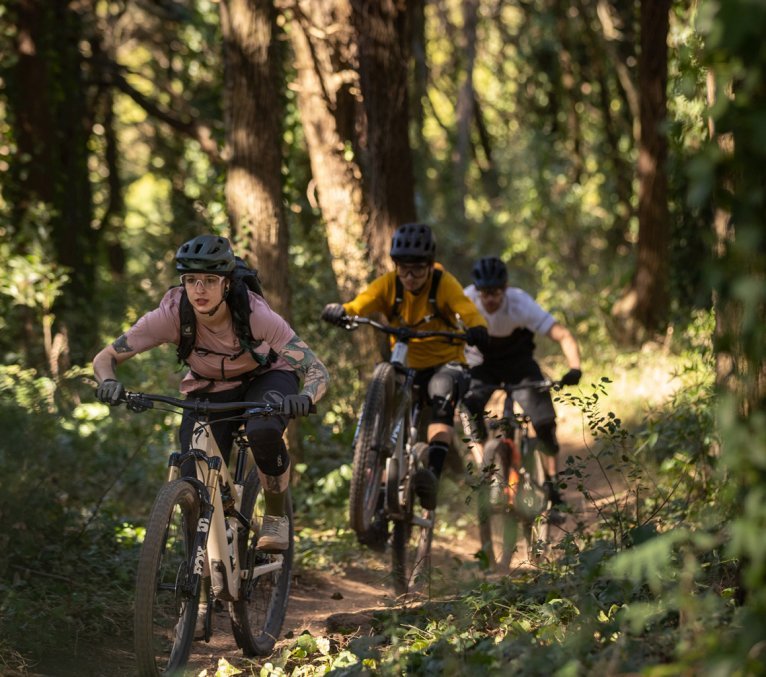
257	616
369	457
166	609
498	525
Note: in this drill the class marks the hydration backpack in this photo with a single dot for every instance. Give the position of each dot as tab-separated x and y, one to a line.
243	280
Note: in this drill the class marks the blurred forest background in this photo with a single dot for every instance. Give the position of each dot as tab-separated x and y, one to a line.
613	153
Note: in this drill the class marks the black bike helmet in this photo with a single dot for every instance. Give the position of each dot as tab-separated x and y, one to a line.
413	242
490	273
206	254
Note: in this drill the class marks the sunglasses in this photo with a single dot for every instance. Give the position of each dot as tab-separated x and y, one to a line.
209	282
412	269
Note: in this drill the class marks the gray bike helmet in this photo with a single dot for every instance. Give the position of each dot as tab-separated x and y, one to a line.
206	254
489	273
413	242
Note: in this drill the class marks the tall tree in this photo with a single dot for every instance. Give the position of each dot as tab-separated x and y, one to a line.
325	60
47	102
465	104
253	110
643	309
383	38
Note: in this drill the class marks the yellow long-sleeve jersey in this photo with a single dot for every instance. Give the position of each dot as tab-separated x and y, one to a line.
452	303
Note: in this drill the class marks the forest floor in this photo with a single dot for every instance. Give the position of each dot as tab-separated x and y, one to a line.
340	599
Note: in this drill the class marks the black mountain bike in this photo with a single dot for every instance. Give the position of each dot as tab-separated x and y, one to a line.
512	496
203	530
388	450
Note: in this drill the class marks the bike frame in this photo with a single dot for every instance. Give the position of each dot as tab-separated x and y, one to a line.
404	434
212	547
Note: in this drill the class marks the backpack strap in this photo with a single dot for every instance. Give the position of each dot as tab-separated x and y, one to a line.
437	314
239	305
188	333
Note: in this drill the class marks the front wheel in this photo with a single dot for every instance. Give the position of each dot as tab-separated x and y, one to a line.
498	524
369	456
257	616
533	501
411	543
166	607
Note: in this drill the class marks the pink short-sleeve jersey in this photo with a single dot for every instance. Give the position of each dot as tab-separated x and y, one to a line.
215	362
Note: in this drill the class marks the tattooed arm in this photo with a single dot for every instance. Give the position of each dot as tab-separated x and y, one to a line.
105	363
301	358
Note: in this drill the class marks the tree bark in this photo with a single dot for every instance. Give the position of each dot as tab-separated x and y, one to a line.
465	107
383	38
643	310
253	114
49	113
320	38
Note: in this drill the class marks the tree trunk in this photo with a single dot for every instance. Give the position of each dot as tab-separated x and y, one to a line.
643	310
253	115
48	109
465	109
319	37
383	38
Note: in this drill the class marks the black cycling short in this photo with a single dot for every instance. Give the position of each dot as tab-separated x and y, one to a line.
485	380
271	386
445	386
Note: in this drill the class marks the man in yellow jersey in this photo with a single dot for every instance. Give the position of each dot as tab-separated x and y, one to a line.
421	294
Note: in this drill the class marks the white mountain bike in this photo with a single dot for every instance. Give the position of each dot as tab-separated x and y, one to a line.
203	530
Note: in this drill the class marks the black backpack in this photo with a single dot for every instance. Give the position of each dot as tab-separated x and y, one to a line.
243	280
399	297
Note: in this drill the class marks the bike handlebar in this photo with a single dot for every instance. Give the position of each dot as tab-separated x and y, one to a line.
402	333
141	401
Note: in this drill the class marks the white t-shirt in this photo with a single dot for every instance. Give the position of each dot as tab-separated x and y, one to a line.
518	310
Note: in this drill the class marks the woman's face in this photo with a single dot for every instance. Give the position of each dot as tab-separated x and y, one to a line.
413	275
204	290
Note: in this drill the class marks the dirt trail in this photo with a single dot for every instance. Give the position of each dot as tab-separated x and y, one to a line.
321	602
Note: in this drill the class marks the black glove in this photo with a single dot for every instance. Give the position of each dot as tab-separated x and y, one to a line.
477	336
571	378
110	391
334	313
296	405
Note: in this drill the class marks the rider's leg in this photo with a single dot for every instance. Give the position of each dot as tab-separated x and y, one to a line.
223	430
474	403
445	388
538	405
271	456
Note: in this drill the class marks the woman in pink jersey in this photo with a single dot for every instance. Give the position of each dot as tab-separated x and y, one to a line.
222	369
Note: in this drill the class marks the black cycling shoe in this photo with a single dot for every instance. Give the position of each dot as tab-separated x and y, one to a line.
425	484
376	537
555	516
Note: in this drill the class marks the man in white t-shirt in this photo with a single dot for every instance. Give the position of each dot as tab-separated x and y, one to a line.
513	318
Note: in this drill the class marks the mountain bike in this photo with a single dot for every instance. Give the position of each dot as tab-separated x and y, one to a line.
203	530
388	450
512	495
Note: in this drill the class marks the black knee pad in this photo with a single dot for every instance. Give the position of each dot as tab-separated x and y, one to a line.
442	394
269	450
443	410
546	433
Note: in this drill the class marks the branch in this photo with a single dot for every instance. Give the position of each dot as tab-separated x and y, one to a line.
198	131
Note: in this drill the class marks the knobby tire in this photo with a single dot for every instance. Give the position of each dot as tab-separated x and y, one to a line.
411	555
257	617
537	529
165	612
498	525
369	459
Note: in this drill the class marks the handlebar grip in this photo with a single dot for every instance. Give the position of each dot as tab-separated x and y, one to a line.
313	408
